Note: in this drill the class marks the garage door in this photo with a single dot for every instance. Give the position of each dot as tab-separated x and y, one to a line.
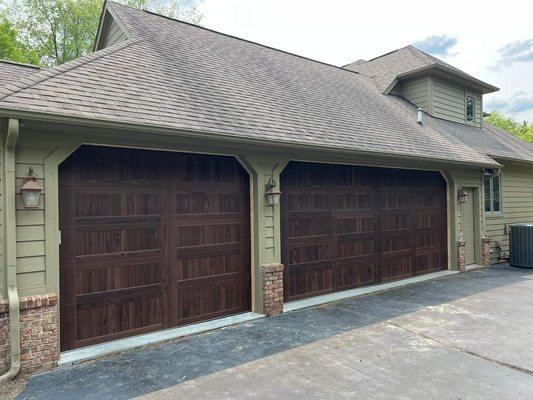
150	240
348	226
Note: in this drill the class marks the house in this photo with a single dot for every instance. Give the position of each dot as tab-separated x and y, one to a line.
161	157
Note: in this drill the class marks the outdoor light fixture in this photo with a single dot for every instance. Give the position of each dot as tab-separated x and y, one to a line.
31	190
272	194
462	195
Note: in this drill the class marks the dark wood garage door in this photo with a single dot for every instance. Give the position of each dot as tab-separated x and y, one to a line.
150	240
348	226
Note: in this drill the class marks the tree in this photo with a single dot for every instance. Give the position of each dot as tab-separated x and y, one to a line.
58	31
523	130
11	48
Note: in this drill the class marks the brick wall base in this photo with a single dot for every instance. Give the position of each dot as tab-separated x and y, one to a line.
485	251
461	256
272	276
39	346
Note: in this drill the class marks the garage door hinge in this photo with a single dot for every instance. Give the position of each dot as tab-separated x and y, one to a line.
59	237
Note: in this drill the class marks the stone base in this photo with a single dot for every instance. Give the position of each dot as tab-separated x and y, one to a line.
272	277
39	336
461	256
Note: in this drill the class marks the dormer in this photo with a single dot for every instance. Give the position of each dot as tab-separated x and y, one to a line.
440	89
111	29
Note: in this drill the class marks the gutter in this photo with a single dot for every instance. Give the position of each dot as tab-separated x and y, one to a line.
275	144
10	248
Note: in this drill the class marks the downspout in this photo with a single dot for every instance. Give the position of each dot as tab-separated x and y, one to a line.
10	248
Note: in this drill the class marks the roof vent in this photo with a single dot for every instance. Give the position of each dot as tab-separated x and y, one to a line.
420	116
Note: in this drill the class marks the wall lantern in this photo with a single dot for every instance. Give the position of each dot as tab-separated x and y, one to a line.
31	190
462	195
272	194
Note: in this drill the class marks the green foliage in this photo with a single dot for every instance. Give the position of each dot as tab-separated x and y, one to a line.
52	32
11	48
523	130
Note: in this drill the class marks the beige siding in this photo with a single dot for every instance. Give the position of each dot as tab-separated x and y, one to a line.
417	92
448	101
114	34
517	205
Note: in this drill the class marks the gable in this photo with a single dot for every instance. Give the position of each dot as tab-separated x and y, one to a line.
112	30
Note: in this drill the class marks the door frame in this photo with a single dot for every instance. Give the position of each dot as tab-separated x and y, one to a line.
51	210
476	211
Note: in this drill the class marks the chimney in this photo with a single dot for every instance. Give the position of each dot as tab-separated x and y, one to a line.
420	116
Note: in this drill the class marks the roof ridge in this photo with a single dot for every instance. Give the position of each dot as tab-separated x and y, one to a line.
230	36
20	64
419	53
45	74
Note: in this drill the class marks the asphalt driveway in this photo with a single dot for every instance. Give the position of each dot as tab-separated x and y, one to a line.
465	336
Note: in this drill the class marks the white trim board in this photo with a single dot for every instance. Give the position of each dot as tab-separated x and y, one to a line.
117	346
346	294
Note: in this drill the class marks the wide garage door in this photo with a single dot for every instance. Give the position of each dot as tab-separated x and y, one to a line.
349	226
150	240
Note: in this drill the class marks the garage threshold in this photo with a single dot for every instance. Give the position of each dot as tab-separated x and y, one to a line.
346	294
117	346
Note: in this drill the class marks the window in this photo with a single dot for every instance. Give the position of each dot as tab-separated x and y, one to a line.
470	109
493	202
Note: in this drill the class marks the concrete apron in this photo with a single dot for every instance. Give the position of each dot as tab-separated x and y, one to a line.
346	294
118	346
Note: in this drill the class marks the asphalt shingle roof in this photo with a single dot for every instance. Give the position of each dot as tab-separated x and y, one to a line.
11	71
385	68
176	75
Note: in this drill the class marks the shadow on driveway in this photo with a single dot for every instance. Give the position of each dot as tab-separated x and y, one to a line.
146	370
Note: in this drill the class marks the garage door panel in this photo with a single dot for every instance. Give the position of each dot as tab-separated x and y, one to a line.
309	225
210	298
158	246
428	260
360	224
97	242
96	279
394	199
351	274
116	202
110	167
380	220
354	200
355	247
306	252
395	267
311	278
207	266
123	314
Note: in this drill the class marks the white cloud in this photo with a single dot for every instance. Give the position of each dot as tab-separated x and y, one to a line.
342	31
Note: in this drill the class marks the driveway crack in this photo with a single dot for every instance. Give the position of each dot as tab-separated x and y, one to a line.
491	360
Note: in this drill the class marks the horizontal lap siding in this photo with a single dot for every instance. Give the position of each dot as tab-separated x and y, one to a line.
449	102
31	265
416	91
517	205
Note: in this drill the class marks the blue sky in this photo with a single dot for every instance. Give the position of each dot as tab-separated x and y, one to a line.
494	44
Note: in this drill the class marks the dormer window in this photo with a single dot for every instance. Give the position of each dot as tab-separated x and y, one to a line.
470	110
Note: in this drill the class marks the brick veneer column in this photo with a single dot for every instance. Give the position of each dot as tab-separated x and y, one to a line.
485	251
461	256
272	276
39	347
